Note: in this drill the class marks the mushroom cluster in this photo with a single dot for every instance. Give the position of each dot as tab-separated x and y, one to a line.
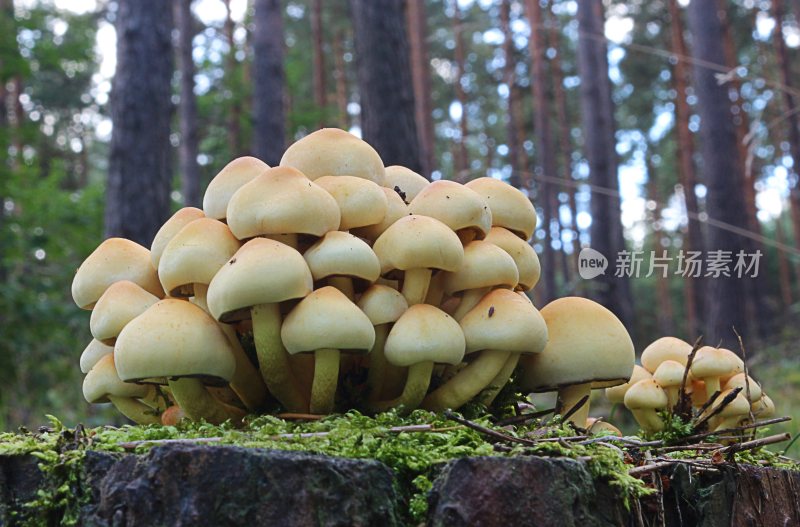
335	266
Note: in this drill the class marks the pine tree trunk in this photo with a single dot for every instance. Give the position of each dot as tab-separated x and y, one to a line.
725	200
600	149
461	162
340	76
187	110
664	313
268	81
510	80
234	81
384	81
137	195
416	21
320	86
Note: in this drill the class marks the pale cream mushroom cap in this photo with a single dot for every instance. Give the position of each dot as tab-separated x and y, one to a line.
740	406
665	348
511	208
327	319
334	152
195	254
714	362
382	304
170	228
225	184
406	180
504	321
455	205
646	394
415	242
484	265
262	271
93	353
669	373
102	380
396	209
764	408
524	256
114	260
173	338
361	202
425	333
616	394
596	426
342	254
122	302
740	380
587	344
282	201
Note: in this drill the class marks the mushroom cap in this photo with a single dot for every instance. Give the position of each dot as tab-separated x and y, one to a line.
334	152
396	209
415	242
736	360
195	254
595	426
739	406
740	380
484	265
616	394
174	338
669	373
122	302
425	333
93	353
523	254
405	180
102	380
504	321
764	408
282	201
714	362
361	202
587	343
170	228
262	271
665	348
225	184
382	304
326	318
115	259
342	254
455	205
646	394
511	208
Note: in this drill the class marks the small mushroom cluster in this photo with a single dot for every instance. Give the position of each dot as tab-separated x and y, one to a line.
713	375
335	265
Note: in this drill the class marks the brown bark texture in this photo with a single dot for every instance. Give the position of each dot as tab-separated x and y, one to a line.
268	81
187	109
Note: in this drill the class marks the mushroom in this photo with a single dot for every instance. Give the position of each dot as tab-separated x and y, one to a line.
599	427
361	202
93	353
170	228
122	302
764	408
233	176
511	209
665	348
588	347
524	256
710	364
501	327
103	385
669	375
733	413
324	323
406	181
339	257
458	207
616	394
643	399
745	382
396	209
255	280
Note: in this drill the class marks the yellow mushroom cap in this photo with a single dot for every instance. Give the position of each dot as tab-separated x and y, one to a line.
596	426
523	254
342	254
504	321
225	184
511	208
173	338
170	228
334	152
484	265
739	406
665	348
324	319
382	304
122	302
102	381
406	181
740	380
114	260
646	394
415	242
195	254
669	373
714	362
396	209
425	333
616	394
361	202
455	205
93	353
764	408
262	271
282	201
587	344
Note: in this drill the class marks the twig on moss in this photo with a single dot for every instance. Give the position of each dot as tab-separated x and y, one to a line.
130	445
756	443
488	431
300	417
519	419
758	424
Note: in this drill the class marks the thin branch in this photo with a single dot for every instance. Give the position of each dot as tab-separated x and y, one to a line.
758	424
756	443
488	431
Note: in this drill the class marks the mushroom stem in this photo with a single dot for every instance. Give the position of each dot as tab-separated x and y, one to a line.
273	360
468	382
198	403
326	377
155	399
490	393
569	396
648	419
377	363
136	411
672	396
246	381
469	299
289	239
343	284
415	285
417	382
712	386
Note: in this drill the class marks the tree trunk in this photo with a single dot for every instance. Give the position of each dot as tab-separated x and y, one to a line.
384	81
510	80
784	281
600	148
187	110
320	86
268	81
724	200
545	156
234	82
340	75
461	163
664	313
137	196
416	20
